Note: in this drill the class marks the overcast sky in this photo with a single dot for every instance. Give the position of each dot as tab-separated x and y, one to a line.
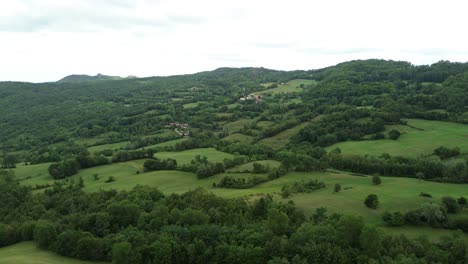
45	40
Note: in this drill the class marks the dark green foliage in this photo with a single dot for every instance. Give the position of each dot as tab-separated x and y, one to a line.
394	134
432	214
110	179
64	169
240	183
423	194
460	222
401	166
259	168
7	235
302	187
9	161
45	234
372	201
337	187
462	202
444	152
210	169
393	219
451	204
376	180
158	164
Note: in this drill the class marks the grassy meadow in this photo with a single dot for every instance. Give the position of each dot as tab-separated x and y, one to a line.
282	139
28	253
420	137
289	87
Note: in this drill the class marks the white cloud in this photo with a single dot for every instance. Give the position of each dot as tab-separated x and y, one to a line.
44	40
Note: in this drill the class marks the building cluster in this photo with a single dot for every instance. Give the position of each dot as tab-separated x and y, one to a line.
251	96
175	125
184	127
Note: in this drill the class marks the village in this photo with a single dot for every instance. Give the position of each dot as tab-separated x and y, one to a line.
183	128
252	96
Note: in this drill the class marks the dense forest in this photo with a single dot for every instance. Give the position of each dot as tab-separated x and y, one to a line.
84	122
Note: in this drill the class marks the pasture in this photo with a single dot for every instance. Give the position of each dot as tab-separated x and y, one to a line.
28	253
281	139
289	87
420	137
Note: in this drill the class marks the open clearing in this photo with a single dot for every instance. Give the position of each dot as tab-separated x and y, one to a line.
28	253
282	139
289	87
237	137
113	146
184	157
421	137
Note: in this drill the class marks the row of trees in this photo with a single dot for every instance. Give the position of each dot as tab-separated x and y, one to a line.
421	168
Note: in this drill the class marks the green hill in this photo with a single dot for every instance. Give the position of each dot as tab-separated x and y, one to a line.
79	78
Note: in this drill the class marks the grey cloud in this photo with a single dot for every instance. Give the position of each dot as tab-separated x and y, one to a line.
89	16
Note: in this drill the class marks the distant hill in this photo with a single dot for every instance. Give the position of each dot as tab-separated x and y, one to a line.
77	78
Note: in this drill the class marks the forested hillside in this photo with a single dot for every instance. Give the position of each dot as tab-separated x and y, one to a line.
241	165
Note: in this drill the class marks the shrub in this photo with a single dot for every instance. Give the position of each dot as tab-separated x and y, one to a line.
451	204
376	180
462	201
372	201
394	134
110	179
393	219
337	187
423	194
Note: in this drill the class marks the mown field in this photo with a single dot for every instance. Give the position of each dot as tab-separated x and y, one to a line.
28	253
420	137
289	87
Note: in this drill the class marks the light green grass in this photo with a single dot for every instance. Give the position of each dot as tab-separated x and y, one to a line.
413	142
237	137
289	87
234	127
28	253
265	124
33	174
223	114
190	105
113	146
184	157
282	139
249	166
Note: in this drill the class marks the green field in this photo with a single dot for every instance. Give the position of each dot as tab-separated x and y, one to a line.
289	87
32	174
184	157
28	253
237	137
249	166
282	139
190	105
237	125
113	146
420	137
